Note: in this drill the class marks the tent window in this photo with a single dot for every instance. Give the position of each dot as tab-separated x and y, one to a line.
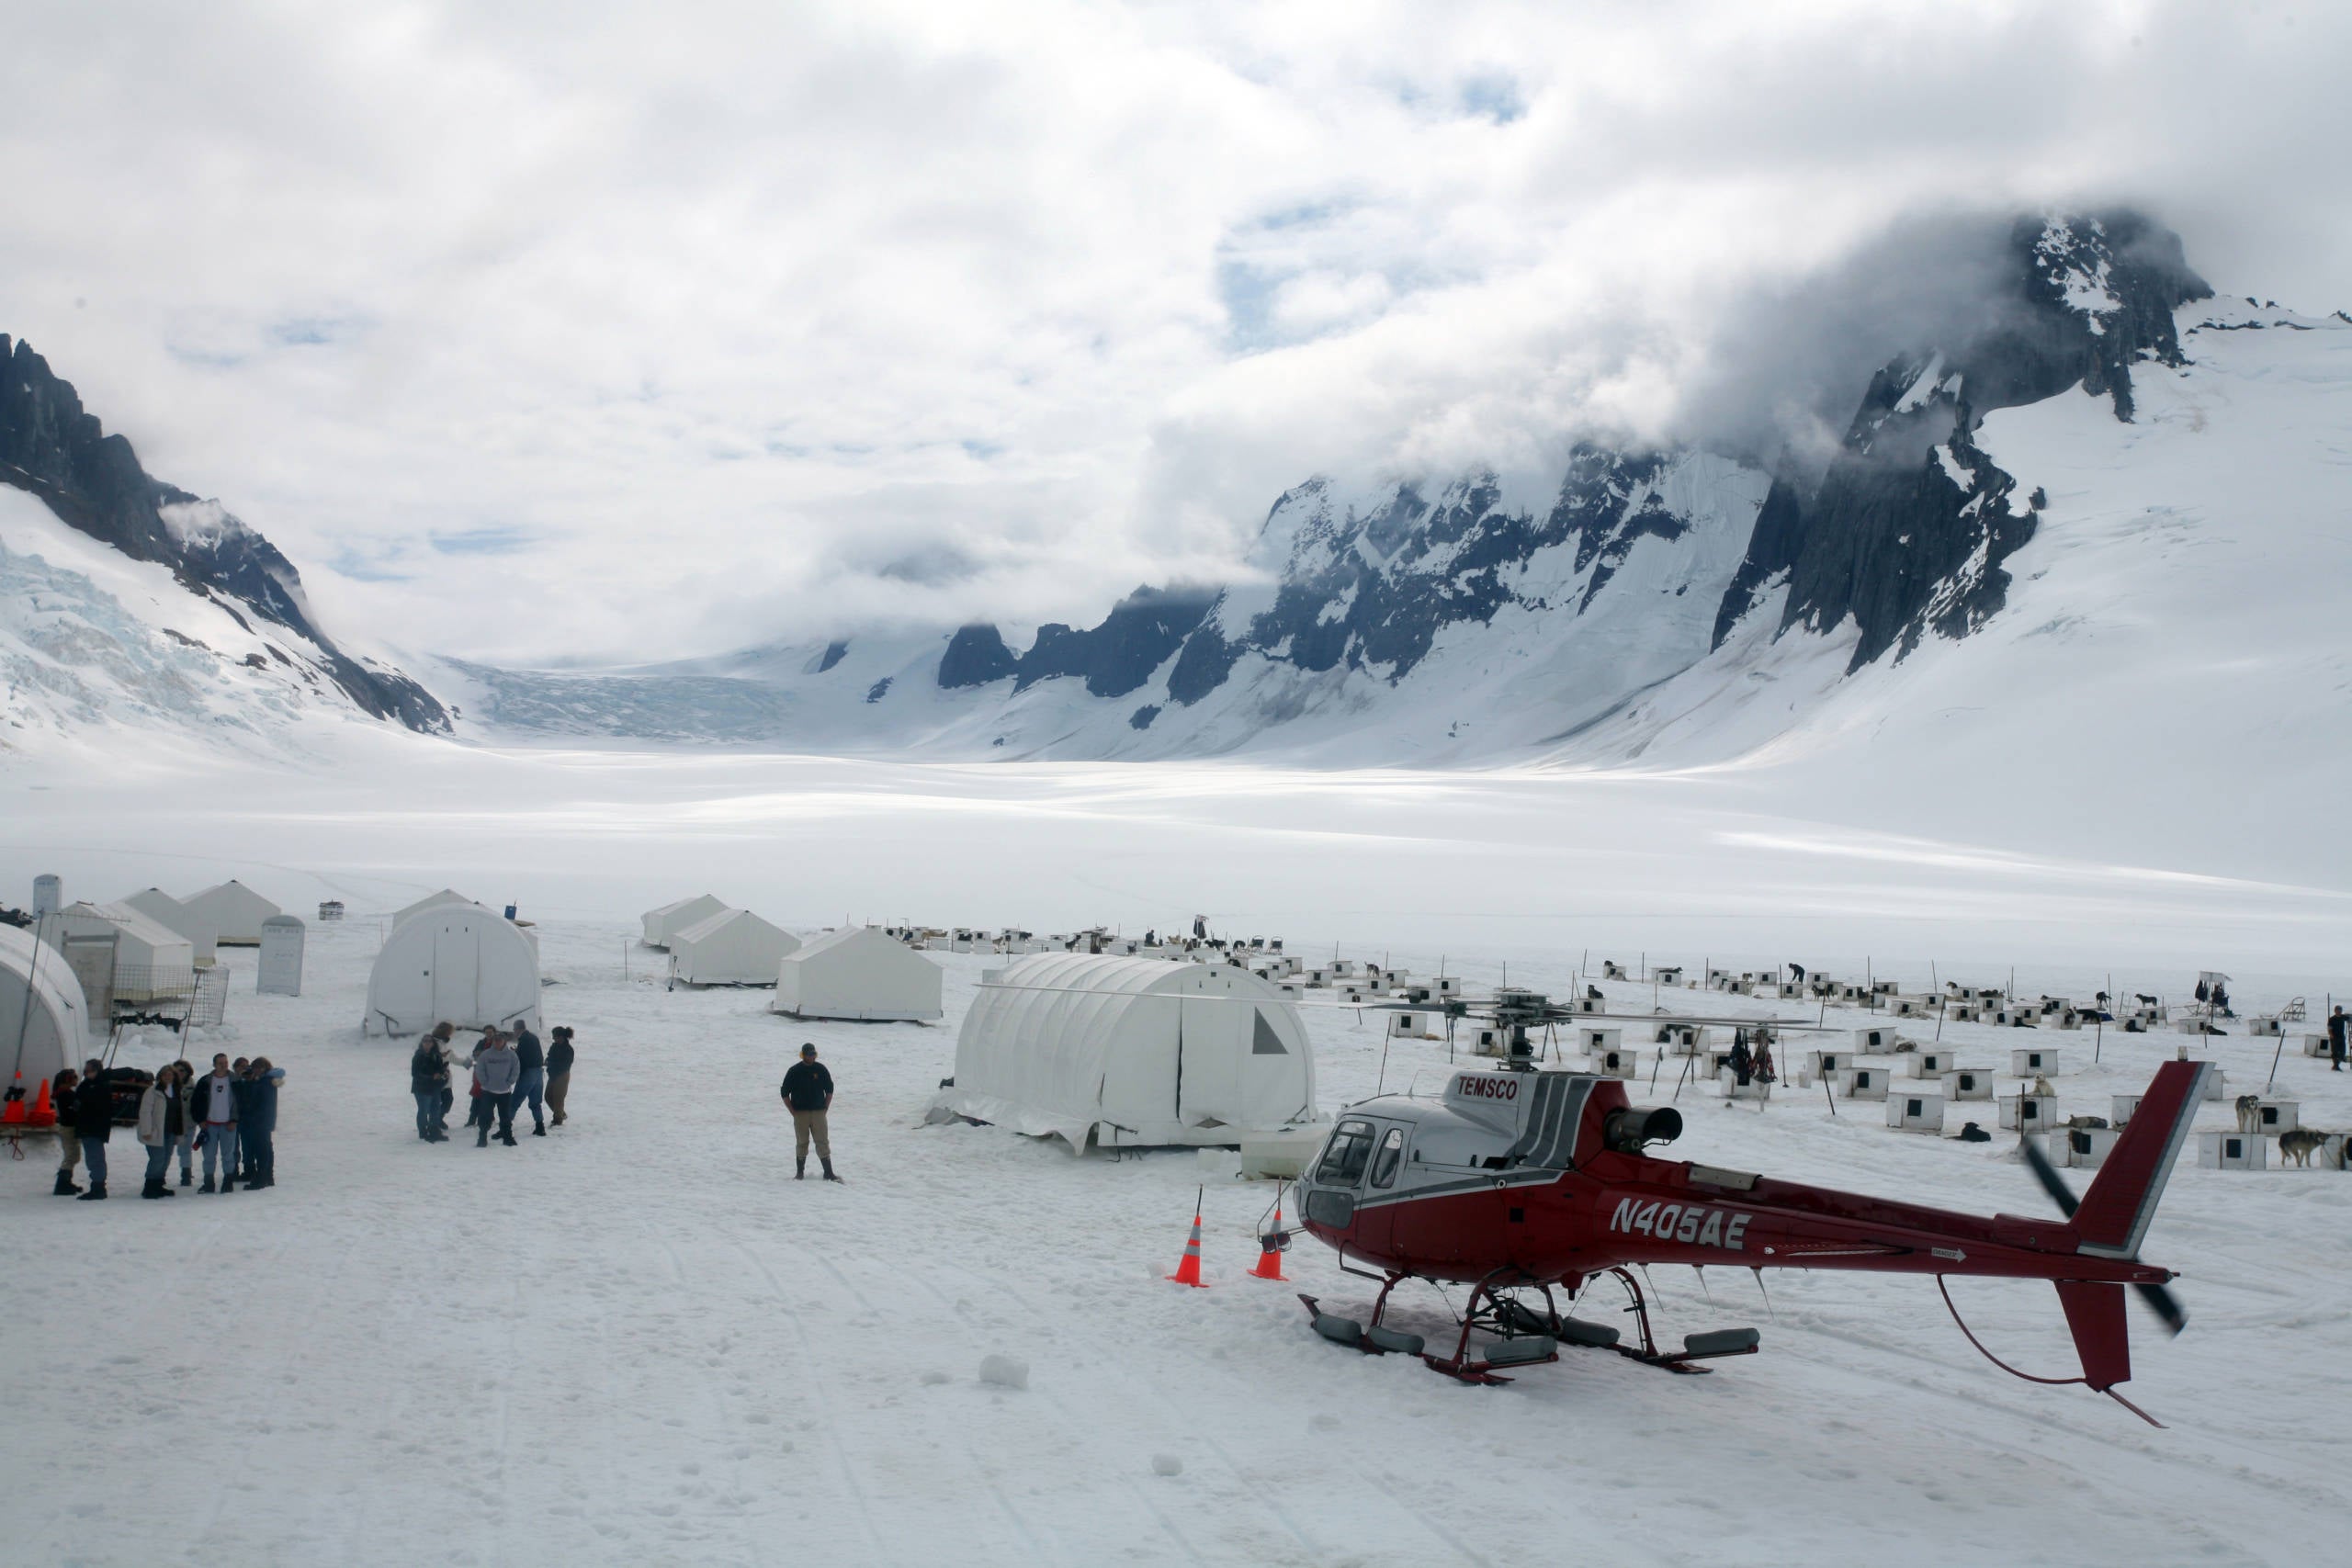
1392	1155
1264	1041
1343	1159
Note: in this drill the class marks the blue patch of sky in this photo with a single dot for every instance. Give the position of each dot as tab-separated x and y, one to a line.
497	539
350	563
209	358
1495	97
307	332
981	451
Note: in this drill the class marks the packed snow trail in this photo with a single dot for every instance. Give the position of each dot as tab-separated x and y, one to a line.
638	1339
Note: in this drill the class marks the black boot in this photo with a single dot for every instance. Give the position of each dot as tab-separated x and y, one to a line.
539	1129
151	1188
186	1179
482	1140
829	1171
64	1187
800	1169
97	1189
507	1137
208	1183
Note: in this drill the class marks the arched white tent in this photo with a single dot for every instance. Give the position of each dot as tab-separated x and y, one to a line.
173	916
44	1021
456	963
665	923
1133	1052
233	911
431	901
733	947
858	972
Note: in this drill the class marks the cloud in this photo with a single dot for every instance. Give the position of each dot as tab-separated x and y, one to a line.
777	321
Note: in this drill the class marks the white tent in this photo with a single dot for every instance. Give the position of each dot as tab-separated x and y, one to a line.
431	901
454	964
1132	1051
44	1021
733	947
173	916
233	911
858	972
149	960
665	923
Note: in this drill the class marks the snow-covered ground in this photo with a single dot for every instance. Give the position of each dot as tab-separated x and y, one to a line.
637	1340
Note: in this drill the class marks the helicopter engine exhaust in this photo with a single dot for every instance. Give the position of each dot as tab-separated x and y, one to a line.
1630	1130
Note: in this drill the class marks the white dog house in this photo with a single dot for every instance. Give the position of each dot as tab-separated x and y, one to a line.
1593	1041
447	896
2026	1113
1916	1112
1874	1041
2232	1151
1612	970
2264	1025
1616	1062
173	916
733	947
1413	1026
458	963
1754	1089
2316	1045
1129	1052
1962	1011
232	912
1819	1064
858	972
2027	1064
44	1021
657	926
1667	974
2121	1106
1489	1043
1968	1083
1933	1061
1680	1039
2272	1116
1864	1082
2087	1148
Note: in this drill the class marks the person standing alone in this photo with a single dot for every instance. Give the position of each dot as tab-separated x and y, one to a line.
809	1092
2337	1027
559	1069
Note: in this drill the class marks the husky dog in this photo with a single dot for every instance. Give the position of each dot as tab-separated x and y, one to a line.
2042	1085
2299	1145
2145	1000
2249	1112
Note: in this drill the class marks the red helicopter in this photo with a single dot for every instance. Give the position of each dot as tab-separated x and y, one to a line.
1521	1182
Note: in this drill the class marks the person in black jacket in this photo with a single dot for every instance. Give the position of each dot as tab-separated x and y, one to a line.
258	1121
2337	1027
559	1069
530	1089
69	1145
808	1091
428	1081
93	1119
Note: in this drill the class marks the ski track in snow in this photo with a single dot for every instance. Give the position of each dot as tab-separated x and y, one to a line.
638	1339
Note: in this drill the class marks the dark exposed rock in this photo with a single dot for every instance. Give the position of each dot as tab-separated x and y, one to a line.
974	656
51	447
1141	718
880	690
1120	655
834	653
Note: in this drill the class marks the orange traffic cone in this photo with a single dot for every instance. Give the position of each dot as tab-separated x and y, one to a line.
1188	1273
14	1111
1270	1248
44	1113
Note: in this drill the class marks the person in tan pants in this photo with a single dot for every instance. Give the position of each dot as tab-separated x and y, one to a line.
809	1092
559	1069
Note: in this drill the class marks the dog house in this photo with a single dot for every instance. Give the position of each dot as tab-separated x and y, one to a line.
1968	1083
1819	1064
2027	1064
1491	1043
1754	1089
1612	970
1916	1112
1911	1007
2215	1088
1446	985
2275	1115
1594	1041
1932	1063
1680	1039
2087	1148
2026	1112
1962	1011
1616	1062
1131	1052
2232	1151
2315	1045
1667	974
1864	1083
2268	1028
1874	1039
1413	1026
2067	1018
2121	1106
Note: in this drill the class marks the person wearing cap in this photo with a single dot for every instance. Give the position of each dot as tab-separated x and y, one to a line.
559	1069
809	1092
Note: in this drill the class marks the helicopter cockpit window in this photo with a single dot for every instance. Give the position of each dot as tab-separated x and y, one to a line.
1344	1158
1392	1155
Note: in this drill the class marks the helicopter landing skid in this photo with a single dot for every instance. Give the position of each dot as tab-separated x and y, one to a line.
1695	1346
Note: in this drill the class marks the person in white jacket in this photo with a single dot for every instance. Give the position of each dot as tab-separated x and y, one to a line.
162	1118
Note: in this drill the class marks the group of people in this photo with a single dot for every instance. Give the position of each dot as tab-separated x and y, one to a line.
509	1070
230	1112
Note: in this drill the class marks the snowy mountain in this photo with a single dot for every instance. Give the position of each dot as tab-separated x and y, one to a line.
127	601
1601	615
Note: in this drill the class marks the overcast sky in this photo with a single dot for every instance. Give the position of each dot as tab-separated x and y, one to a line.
536	332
